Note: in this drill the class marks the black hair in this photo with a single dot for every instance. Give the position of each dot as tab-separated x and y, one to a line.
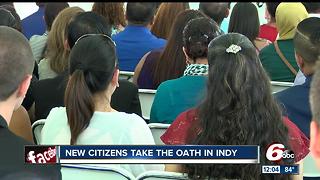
312	7
7	18
140	13
87	23
307	39
239	109
196	36
13	11
216	11
244	19
92	65
51	10
272	7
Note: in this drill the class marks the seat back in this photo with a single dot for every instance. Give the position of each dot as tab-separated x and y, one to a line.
36	130
310	168
146	97
157	129
161	175
126	75
85	172
277	86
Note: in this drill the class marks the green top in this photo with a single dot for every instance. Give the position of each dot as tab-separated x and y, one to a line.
176	96
274	66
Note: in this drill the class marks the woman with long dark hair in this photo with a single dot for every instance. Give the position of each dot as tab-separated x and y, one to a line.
239	109
88	117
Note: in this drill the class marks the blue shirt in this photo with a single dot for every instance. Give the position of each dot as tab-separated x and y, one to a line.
176	96
34	24
295	102
133	43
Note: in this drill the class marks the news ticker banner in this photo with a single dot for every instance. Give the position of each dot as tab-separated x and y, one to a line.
146	154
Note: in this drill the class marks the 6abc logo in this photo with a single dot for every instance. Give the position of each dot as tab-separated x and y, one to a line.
276	152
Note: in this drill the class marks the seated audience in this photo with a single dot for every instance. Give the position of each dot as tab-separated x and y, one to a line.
315	123
216	11
248	26
56	59
114	14
38	42
165	15
136	39
295	100
269	31
177	95
16	65
34	24
166	63
278	59
238	110
125	98
88	117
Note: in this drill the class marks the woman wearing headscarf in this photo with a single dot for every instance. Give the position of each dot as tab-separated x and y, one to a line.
278	59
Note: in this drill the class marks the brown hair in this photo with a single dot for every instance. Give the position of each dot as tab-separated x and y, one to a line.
164	18
56	53
113	12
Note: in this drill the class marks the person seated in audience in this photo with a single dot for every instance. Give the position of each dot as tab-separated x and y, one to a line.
269	30
282	66
16	65
248	26
113	12
165	15
168	63
177	95
295	100
56	58
39	42
34	24
238	110
88	117
315	123
136	39
216	11
125	98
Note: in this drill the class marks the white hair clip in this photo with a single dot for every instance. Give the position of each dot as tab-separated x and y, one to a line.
233	49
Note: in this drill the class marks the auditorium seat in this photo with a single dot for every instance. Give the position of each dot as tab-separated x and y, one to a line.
277	86
36	130
126	75
161	175
310	170
146	97
85	172
157	130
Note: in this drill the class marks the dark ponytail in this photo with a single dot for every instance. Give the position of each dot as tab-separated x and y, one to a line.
92	65
79	104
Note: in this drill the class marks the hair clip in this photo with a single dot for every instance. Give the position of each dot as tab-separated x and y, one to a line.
233	49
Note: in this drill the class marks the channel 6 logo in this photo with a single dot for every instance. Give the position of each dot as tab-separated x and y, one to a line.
276	152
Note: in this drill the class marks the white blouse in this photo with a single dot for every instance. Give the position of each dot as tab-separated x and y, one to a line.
105	128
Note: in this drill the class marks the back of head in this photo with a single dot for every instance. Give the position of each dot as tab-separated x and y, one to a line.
113	12
239	108
172	61
7	18
307	40
16	61
196	36
56	52
92	65
163	21
87	23
312	7
244	19
216	11
271	7
51	10
13	11
140	13
315	95
288	16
